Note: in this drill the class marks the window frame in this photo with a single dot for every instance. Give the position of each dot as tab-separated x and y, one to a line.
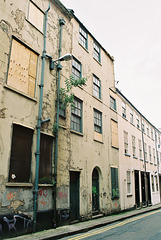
131	116
113	103
126	145
133	146
83	40
114	183
96	87
76	68
140	149
129	183
97	51
123	110
97	121
76	119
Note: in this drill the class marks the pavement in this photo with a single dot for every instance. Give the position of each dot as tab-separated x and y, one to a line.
85	226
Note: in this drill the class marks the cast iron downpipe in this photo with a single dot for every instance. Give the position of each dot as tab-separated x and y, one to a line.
59	68
39	125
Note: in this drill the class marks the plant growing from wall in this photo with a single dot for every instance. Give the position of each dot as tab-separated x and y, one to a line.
66	97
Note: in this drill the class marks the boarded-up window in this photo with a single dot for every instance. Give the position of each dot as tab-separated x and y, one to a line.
35	16
45	166
114	130
22	68
114	183
20	160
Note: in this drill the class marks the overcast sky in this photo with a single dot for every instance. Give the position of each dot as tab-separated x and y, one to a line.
130	30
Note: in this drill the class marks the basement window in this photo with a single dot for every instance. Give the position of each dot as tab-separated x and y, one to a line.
20	159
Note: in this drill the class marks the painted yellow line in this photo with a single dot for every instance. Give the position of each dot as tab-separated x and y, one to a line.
114	226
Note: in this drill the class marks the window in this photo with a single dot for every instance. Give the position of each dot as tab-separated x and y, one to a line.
114	183
152	183
147	130
35	16
97	52
137	121
45	169
123	110
140	149
96	87
76	69
152	133
154	155
97	121
156	181
143	129
112	103
129	182
20	160
22	68
131	116
150	158
76	116
145	150
83	37
62	109
125	142
114	130
133	146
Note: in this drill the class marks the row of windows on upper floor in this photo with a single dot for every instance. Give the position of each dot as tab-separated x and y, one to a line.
34	10
140	153
140	124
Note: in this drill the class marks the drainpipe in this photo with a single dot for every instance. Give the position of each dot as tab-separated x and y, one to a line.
145	175
39	125
59	68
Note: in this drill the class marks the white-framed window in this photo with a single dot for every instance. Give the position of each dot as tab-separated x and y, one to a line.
96	87
143	127
83	37
131	116
123	110
147	127
96	52
154	158
152	135
133	146
125	142
129	189
76	115
140	149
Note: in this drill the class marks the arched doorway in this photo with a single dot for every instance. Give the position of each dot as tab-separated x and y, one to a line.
95	191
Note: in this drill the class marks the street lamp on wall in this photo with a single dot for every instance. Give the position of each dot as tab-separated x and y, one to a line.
65	57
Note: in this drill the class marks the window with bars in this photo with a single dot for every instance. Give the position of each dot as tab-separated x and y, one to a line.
97	52
129	190
114	183
96	87
140	149
76	116
133	146
76	69
83	37
125	142
112	103
123	110
20	159
97	121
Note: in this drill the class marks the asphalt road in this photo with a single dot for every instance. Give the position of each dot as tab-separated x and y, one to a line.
145	226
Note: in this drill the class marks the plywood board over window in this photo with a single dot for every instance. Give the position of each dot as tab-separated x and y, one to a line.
114	130
35	16
22	68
